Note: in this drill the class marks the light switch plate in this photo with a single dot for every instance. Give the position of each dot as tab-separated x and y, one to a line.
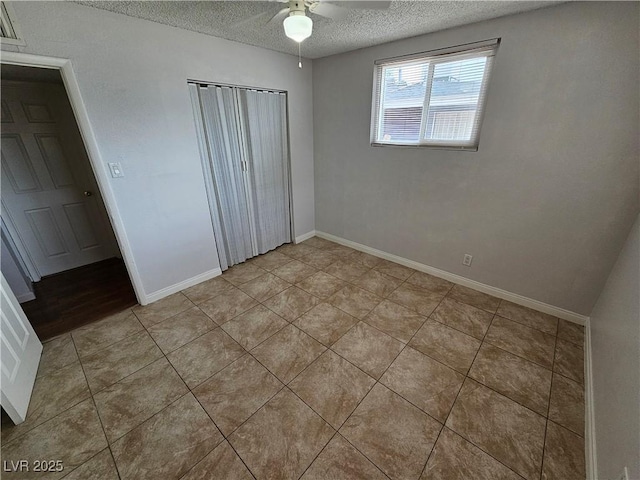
116	170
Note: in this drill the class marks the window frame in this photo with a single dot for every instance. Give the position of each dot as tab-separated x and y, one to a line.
487	48
9	25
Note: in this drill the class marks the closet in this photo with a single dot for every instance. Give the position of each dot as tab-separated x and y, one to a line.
243	140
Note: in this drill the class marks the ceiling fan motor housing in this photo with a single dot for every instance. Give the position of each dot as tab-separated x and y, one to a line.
296	7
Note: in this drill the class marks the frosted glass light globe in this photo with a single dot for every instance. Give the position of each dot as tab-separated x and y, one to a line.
298	27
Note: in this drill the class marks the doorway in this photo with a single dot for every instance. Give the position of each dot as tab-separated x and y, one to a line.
54	219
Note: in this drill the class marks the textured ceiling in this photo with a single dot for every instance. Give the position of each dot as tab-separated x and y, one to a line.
248	22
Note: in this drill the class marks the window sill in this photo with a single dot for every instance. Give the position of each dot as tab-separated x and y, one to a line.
473	148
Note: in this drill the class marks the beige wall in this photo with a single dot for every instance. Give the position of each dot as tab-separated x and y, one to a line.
133	76
545	204
615	340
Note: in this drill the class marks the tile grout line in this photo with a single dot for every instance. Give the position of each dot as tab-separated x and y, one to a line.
322	300
336	431
104	432
405	345
456	399
546	423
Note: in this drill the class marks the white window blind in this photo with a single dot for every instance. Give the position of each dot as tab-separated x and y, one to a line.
433	98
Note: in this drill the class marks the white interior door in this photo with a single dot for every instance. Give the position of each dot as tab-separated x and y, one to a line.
49	194
19	355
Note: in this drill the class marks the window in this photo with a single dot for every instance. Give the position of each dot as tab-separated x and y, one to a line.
432	99
9	32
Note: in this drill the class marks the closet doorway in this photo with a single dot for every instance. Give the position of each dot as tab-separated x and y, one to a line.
244	146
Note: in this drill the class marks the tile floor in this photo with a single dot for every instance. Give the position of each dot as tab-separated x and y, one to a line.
313	361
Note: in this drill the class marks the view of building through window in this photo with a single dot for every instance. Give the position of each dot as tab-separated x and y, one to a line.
430	101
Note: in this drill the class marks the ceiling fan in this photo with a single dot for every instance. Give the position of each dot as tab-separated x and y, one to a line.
298	26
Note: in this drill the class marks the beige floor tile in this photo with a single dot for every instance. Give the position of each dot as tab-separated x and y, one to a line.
206	355
571	332
254	326
319	259
317	242
395	320
226	307
366	259
340	251
332	387
569	360
340	461
291	303
355	301
52	394
509	432
521	340
474	298
395	269
126	404
429	385
207	289
294	271
57	353
563	455
529	317
281	440
222	463
369	349
168	444
271	260
119	360
72	437
525	382
162	309
297	250
470	320
91	338
346	270
100	467
392	433
242	273
264	287
235	393
288	352
449	346
377	282
454	458
321	284
567	404
421	301
431	283
326	323
181	329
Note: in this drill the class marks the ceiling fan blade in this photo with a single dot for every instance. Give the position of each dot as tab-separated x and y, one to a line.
249	20
329	10
280	16
369	5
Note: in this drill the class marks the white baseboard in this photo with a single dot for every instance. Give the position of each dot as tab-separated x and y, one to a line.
466	282
26	297
305	236
190	282
591	459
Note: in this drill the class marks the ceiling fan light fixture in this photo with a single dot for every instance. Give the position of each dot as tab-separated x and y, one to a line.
298	27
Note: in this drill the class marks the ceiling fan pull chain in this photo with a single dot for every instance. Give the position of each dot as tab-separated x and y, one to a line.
299	59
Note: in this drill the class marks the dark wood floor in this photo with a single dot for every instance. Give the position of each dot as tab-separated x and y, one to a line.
67	300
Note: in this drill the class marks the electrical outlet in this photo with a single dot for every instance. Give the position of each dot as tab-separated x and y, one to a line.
467	259
624	475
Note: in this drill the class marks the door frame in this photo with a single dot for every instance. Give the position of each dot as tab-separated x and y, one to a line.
93	153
